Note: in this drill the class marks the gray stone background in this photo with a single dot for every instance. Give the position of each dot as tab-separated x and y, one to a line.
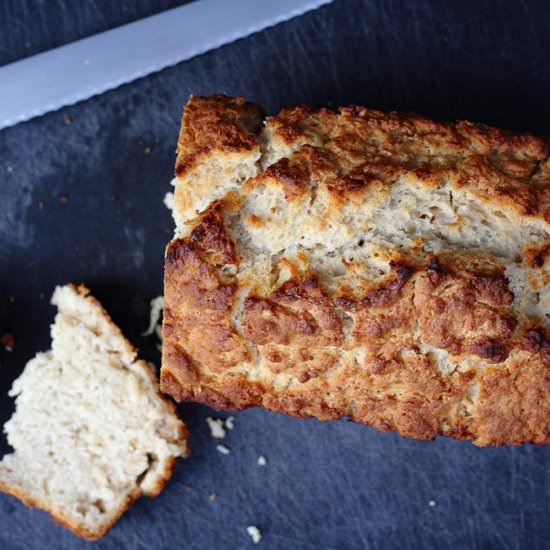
81	200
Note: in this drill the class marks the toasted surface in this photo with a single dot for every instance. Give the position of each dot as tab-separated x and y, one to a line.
382	267
91	432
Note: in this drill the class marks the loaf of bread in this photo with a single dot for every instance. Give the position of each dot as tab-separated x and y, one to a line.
91	432
376	266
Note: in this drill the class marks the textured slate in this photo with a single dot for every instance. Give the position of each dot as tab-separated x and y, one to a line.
333	485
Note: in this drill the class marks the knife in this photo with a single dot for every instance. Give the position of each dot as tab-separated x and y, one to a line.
77	71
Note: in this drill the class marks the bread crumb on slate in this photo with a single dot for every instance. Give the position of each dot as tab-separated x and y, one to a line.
217	430
147	150
432	503
154	315
67	120
262	461
255	533
189	488
212	497
41	205
63	199
229	422
223	449
169	200
8	341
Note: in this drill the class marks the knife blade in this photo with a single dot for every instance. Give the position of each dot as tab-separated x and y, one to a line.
77	71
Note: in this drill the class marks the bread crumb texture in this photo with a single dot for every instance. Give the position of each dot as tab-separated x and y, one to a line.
91	432
376	266
254	533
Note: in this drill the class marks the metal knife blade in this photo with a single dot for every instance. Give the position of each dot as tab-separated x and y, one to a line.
79	70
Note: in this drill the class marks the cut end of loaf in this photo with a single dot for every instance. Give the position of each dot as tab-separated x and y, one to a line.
90	432
379	266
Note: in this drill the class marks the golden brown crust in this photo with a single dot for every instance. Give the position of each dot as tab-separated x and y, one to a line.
227	124
419	339
62	520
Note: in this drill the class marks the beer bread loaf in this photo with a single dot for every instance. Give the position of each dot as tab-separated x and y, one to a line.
352	263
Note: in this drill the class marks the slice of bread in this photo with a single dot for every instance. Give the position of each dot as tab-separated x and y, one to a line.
90	433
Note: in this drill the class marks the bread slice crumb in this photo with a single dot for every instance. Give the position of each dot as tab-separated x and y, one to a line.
262	461
169	200
223	449
216	425
154	316
255	533
91	432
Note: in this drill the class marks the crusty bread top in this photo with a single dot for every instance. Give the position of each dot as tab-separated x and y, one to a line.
91	432
380	266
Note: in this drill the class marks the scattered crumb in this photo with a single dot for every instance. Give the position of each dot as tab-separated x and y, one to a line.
154	315
9	168
169	200
188	488
229	422
41	205
223	449
147	150
255	533
67	120
212	497
262	461
216	425
63	199
8	341
432	503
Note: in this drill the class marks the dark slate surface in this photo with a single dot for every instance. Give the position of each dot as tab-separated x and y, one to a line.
333	485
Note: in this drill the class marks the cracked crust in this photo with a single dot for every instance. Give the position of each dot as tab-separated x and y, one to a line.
382	267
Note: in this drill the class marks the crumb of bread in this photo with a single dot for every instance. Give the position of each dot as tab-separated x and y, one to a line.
229	422
432	503
8	341
217	430
255	533
154	316
169	200
223	449
262	461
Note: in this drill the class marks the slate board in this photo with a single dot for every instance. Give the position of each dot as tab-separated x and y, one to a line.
326	486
